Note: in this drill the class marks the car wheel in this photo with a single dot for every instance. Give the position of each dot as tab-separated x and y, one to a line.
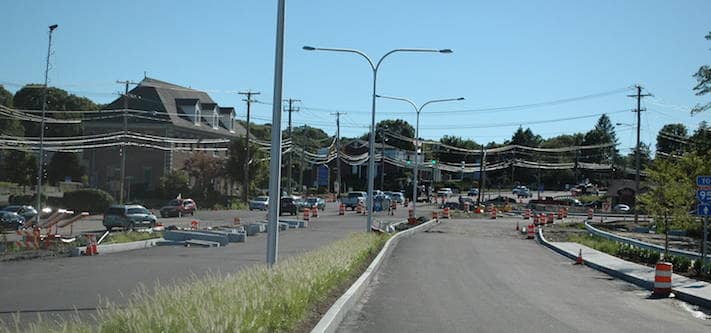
131	226
192	213
162	214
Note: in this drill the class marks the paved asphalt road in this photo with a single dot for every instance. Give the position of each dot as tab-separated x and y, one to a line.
54	286
481	276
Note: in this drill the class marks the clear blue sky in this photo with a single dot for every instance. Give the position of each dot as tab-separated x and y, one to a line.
505	53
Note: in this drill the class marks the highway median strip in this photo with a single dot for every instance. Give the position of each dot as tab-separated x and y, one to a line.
257	298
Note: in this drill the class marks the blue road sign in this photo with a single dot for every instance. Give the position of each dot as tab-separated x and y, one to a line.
703	181
704	196
322	175
704	210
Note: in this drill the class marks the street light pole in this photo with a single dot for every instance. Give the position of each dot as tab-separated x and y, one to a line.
371	140
40	160
417	138
275	162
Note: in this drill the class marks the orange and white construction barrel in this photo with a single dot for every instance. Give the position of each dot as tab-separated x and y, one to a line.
663	279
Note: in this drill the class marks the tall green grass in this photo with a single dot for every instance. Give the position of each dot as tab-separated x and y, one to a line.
256	299
130	236
597	243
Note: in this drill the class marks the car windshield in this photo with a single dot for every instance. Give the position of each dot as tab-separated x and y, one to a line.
115	211
138	210
261	199
174	203
312	200
12	208
354	195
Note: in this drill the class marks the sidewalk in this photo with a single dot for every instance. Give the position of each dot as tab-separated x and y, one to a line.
686	289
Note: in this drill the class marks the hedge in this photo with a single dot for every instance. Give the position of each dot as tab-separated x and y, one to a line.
89	200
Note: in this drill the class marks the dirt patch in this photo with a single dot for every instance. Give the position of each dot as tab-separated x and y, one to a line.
33	254
561	232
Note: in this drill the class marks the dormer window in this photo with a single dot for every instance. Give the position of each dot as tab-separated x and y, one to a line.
215	119
227	118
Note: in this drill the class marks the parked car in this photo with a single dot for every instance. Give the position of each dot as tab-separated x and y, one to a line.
397	197
621	208
317	202
128	217
260	203
353	198
446	190
178	207
28	212
288	205
473	192
521	192
11	220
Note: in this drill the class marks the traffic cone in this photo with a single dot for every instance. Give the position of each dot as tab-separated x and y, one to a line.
579	259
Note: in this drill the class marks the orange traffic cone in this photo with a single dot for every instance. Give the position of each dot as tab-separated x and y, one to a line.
579	259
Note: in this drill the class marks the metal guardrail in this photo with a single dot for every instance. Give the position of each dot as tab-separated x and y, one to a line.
633	242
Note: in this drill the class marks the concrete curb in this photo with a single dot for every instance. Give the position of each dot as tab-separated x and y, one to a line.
622	276
333	318
116	248
644	283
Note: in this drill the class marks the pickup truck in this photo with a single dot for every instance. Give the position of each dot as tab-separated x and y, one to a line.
353	198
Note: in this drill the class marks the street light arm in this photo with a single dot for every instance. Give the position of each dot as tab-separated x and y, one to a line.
414	106
440	101
331	49
408	50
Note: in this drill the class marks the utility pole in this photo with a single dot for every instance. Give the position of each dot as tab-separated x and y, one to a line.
245	182
125	139
382	157
290	109
639	96
482	169
338	152
44	108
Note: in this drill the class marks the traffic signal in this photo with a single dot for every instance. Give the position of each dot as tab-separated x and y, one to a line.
434	162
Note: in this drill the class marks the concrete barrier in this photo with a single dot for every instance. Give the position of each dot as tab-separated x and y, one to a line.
116	248
177	235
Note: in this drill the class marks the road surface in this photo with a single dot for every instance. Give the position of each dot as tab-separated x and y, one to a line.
55	286
481	276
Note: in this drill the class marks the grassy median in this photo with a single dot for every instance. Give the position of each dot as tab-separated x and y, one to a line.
256	299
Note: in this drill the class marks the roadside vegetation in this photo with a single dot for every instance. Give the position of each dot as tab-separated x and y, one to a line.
130	236
682	265
256	299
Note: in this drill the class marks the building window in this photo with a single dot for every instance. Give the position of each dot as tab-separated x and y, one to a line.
215	120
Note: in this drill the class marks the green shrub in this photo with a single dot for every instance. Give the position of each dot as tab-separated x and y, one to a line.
681	264
90	200
706	269
697	266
